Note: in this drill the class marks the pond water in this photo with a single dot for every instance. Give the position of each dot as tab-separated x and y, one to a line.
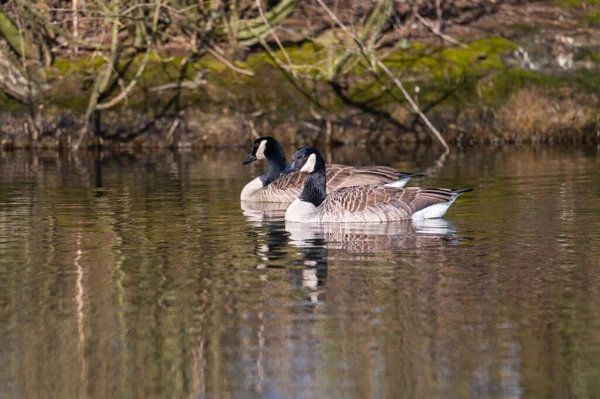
141	276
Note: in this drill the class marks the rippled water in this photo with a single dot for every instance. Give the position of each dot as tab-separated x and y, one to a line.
142	277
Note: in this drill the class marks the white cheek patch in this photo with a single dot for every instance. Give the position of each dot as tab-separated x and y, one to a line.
260	153
309	166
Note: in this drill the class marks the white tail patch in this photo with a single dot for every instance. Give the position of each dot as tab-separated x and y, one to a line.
433	211
260	153
309	166
399	183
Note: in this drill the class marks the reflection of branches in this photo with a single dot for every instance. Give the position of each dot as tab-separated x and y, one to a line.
80	318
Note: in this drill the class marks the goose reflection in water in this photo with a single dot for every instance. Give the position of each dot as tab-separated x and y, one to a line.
314	243
369	238
273	248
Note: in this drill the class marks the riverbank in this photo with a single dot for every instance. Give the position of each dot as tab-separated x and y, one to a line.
513	77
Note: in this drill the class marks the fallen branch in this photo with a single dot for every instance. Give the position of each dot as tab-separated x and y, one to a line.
374	61
169	137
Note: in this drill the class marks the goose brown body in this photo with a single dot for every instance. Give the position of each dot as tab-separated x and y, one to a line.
288	187
369	203
373	203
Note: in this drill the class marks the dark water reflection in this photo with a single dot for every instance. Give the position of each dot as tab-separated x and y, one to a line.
142	277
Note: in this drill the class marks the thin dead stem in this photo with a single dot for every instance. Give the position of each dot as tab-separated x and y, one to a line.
276	38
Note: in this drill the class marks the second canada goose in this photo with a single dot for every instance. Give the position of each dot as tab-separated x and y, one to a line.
372	203
271	187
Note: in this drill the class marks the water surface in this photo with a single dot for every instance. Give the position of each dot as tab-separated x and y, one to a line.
142	276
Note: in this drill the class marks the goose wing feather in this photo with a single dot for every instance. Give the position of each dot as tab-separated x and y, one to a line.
339	176
289	186
381	202
285	189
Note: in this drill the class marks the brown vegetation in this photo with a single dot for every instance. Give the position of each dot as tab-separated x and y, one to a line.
108	72
535	114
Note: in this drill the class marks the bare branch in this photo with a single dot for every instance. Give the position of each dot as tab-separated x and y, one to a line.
437	28
142	67
275	37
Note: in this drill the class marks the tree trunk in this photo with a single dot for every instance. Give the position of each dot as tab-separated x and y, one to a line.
14	81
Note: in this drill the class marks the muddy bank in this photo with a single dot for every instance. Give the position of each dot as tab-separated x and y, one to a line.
530	114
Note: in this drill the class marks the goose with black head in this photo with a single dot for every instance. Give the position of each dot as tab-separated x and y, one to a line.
370	203
271	187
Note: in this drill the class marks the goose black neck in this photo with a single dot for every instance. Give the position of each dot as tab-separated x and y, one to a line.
277	164
315	187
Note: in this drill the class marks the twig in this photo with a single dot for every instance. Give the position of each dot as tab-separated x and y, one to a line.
171	131
101	81
227	63
75	26
197	82
328	132
53	28
311	126
276	38
414	105
438	12
253	131
284	69
437	30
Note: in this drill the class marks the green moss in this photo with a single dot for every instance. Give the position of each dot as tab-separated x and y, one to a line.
592	18
8	103
452	73
449	63
81	65
304	57
452	77
575	3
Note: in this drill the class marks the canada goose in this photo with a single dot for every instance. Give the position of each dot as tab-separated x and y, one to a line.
372	203
270	187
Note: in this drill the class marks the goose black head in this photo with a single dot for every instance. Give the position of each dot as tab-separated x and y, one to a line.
306	159
265	148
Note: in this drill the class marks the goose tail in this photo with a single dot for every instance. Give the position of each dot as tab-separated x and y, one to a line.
439	210
403	179
459	191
